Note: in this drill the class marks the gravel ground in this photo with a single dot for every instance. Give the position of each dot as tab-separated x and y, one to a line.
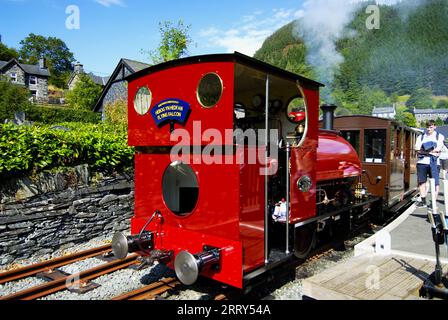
115	284
16	286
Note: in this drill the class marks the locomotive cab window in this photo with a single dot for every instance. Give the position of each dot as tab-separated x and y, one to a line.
180	188
142	101
375	145
209	90
286	106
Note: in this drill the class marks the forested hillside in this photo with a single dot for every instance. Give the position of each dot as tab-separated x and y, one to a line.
409	52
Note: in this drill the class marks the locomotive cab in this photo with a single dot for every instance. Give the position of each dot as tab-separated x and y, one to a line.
221	141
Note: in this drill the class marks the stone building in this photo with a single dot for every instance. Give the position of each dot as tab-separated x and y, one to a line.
384	112
34	77
423	115
79	69
116	87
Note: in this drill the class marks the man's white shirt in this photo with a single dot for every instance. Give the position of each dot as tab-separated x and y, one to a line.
428	138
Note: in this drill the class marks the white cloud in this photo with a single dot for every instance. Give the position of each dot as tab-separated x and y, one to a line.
108	3
248	35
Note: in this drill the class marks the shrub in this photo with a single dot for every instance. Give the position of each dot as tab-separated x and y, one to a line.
117	113
29	150
56	115
84	94
13	98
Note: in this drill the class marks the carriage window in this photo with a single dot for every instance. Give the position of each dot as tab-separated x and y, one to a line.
375	145
180	188
209	90
142	100
352	137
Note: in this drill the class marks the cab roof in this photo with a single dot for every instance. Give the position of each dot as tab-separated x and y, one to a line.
235	57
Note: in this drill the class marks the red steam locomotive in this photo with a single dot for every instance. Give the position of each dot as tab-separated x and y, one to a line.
222	143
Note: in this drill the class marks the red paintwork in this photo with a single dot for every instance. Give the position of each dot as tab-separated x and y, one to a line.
181	82
303	162
230	208
214	222
297	116
336	158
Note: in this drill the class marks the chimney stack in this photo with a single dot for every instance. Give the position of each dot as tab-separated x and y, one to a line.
79	68
42	63
328	116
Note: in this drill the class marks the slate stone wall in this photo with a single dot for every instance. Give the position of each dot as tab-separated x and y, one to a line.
57	211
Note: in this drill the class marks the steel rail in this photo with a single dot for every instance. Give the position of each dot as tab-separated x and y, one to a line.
150	291
34	269
71	280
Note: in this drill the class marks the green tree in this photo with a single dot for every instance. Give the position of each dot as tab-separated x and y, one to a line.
174	42
439	122
59	57
371	97
84	94
404	116
442	104
7	54
285	51
12	98
420	99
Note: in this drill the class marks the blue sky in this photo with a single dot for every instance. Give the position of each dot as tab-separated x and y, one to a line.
112	29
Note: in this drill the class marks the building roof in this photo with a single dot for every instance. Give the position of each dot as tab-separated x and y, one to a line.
429	111
33	69
133	67
102	81
136	65
387	109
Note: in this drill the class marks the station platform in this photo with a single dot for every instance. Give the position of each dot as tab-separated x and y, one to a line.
390	265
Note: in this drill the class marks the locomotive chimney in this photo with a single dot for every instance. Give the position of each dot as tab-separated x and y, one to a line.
328	116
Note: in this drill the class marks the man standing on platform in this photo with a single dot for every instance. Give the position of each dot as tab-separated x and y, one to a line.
428	146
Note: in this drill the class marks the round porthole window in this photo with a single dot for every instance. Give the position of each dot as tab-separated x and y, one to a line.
142	100
209	90
180	188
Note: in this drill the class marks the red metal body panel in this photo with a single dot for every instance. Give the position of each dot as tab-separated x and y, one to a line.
303	162
230	208
336	158
183	82
251	194
214	221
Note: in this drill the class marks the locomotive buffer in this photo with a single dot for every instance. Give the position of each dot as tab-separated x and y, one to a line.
436	285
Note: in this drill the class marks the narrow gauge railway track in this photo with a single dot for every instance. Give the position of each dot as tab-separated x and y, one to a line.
34	269
151	291
155	289
71	280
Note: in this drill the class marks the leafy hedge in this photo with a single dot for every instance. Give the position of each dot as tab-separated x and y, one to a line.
29	150
57	115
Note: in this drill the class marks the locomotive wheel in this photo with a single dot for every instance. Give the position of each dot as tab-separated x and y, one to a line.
305	241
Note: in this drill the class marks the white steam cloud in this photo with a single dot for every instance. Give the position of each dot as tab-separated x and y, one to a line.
322	24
